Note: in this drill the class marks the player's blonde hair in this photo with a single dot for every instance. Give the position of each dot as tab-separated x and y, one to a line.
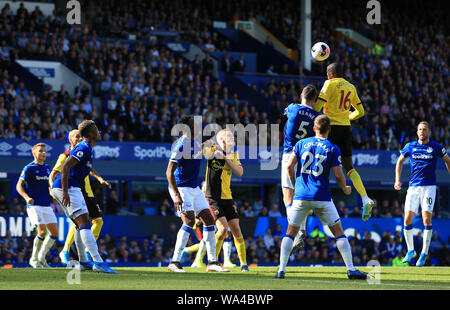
424	123
40	144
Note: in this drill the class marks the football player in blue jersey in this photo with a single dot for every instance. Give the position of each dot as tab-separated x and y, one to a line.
67	190
423	155
299	125
316	157
34	188
189	200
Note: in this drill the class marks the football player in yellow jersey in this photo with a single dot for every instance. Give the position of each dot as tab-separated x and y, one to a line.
93	208
336	98
222	163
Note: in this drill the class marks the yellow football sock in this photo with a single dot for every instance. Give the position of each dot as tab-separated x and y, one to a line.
240	247
69	238
97	224
219	243
192	248
357	183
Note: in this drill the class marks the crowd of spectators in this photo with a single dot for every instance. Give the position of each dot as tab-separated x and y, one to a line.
148	84
319	249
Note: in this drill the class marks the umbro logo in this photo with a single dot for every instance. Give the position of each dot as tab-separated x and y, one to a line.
4	147
23	147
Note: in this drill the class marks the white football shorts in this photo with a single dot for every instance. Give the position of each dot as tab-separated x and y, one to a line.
77	205
300	209
41	215
193	199
420	195
285	183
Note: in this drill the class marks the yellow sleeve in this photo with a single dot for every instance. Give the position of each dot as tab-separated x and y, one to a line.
60	162
359	109
323	97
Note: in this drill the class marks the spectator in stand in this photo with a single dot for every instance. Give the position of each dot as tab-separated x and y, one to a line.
274	212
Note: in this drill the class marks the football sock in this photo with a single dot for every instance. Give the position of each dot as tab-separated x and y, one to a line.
346	251
227	248
192	248
69	239
219	243
81	249
37	244
97	225
357	183
426	238
210	239
286	247
408	233
46	245
182	239
240	247
90	243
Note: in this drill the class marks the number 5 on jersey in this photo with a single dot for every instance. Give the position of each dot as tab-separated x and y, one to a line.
302	130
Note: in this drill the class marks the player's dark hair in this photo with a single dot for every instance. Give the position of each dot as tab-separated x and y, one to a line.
335	68
322	123
309	93
85	127
188	120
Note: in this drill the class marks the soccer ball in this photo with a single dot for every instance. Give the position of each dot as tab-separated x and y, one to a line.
320	51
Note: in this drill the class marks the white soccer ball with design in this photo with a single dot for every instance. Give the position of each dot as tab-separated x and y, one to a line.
320	51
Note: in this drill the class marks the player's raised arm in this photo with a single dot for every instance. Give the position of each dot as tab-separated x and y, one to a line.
340	178
398	171
99	178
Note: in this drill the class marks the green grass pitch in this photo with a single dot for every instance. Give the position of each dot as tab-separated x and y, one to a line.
259	278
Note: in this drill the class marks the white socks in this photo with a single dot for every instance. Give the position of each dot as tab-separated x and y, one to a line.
37	244
227	247
90	243
346	251
286	247
408	233
45	247
426	239
80	246
180	244
209	235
